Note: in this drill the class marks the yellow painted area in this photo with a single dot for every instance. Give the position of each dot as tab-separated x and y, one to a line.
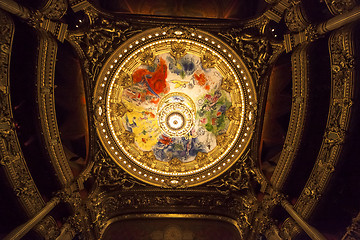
147	130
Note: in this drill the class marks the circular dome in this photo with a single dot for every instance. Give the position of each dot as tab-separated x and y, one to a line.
174	107
176	114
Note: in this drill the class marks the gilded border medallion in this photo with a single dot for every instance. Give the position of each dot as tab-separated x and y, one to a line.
174	107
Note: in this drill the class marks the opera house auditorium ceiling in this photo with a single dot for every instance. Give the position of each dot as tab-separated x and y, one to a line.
179	120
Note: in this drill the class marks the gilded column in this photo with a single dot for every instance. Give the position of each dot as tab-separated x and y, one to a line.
311	231
15	8
67	232
20	231
339	21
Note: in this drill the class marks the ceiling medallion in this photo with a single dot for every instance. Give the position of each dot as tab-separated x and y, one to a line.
175	108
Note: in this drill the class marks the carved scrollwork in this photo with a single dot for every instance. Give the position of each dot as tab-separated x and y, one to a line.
337	7
175	183
289	229
237	178
108	174
296	125
178	31
116	204
202	158
255	51
339	113
47	228
12	160
99	41
234	113
178	50
54	9
208	60
295	18
222	140
99	111
120	109
227	83
147	57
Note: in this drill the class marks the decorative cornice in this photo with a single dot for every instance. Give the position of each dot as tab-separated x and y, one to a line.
12	159
105	206
46	106
342	88
299	60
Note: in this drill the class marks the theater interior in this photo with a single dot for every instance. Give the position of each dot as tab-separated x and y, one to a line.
179	119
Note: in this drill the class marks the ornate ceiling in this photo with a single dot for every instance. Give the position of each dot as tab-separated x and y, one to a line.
124	120
174	107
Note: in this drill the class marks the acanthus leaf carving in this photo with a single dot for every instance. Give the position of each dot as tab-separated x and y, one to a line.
108	174
100	40
255	51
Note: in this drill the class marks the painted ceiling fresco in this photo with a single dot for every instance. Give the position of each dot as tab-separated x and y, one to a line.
178	107
174	104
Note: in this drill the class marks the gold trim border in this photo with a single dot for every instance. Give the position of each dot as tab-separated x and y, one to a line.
12	159
299	105
331	148
46	105
14	165
209	41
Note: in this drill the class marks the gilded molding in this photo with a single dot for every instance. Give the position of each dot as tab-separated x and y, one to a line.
40	19
12	159
262	223
299	61
108	174
78	5
54	9
291	41
342	87
237	178
105	206
256	52
95	45
289	228
46	105
276	12
337	7
295	18
121	145
48	228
